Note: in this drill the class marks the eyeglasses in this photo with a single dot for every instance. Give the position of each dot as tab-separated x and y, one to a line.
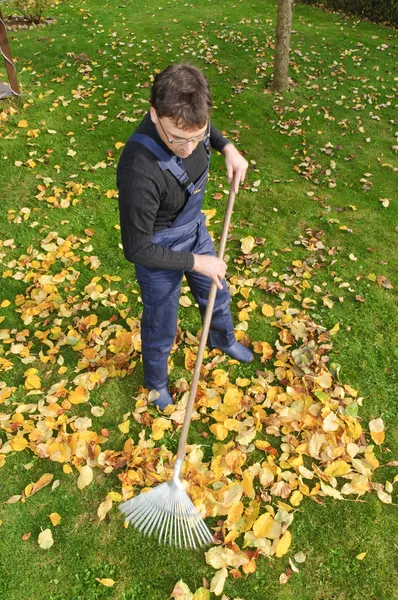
198	139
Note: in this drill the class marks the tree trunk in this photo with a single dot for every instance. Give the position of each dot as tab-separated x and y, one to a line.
282	45
5	47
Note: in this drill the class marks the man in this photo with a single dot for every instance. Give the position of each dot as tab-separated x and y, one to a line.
161	178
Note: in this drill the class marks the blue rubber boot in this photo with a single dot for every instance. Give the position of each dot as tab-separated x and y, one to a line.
164	399
238	352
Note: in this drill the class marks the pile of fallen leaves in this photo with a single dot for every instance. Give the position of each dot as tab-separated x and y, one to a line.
288	432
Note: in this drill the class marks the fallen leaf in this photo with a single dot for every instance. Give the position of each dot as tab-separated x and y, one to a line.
45	539
85	477
218	581
106	582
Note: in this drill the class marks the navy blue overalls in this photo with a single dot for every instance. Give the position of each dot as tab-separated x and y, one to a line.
160	288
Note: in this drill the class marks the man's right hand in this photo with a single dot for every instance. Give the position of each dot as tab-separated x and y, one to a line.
210	266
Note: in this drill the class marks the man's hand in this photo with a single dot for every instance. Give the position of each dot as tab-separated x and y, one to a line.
210	266
236	166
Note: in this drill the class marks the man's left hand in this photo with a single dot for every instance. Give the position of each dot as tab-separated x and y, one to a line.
236	166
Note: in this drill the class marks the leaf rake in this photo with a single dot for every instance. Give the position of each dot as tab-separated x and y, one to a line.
166	510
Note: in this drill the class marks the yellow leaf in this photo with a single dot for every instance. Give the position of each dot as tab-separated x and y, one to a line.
331	422
55	518
235	512
181	591
125	426
247	484
19	443
384	497
220	377
243	315
283	544
32	382
250	567
185	301
218	581
78	396
263	525
245	291
119	145
330	491
5	303
45	539
361	556
219	431
22	124
201	594
247	244
115	496
219	557
324	379
233	396
337	469
67	469
263	348
210	213
159	426
372	460
296	498
246	437
376	427
85	477
106	582
267	310
104	508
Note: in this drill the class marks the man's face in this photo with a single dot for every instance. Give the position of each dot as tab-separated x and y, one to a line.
177	139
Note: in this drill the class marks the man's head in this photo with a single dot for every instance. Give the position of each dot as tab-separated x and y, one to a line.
181	107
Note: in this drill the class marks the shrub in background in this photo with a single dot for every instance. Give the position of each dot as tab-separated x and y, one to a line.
381	11
31	9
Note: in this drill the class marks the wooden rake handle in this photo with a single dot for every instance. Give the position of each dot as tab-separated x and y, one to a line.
205	332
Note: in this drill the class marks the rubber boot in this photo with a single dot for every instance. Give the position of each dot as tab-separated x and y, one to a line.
238	352
164	399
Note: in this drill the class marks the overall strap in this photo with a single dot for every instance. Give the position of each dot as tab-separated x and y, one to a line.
166	161
207	146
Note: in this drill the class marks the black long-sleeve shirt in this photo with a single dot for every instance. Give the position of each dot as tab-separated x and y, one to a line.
150	199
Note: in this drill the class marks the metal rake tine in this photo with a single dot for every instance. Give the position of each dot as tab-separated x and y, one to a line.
140	518
168	527
204	531
143	513
173	525
136	504
174	521
133	515
199	528
165	520
156	520
127	507
188	528
173	531
179	533
207	533
151	521
183	533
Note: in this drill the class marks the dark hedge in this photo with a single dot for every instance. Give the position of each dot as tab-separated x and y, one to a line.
380	11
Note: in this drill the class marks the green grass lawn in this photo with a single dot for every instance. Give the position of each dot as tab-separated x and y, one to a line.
323	152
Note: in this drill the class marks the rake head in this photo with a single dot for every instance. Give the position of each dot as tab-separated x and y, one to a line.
168	512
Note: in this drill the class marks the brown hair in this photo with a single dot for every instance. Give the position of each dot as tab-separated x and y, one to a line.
182	93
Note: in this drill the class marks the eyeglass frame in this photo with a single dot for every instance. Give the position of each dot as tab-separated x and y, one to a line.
203	138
